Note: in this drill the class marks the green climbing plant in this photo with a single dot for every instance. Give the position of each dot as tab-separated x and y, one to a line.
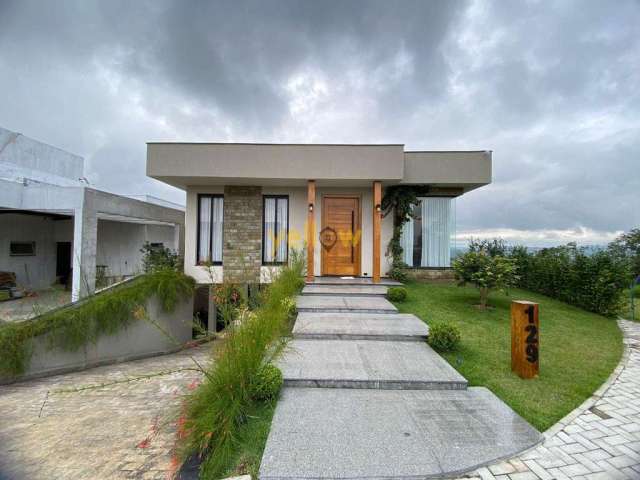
400	200
105	313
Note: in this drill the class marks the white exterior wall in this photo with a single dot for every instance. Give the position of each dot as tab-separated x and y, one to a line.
38	271
119	245
297	229
201	274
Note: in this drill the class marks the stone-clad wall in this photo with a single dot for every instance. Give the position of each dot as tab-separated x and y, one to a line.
431	274
242	248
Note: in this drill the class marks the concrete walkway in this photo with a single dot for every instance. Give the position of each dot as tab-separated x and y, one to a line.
110	422
366	397
598	440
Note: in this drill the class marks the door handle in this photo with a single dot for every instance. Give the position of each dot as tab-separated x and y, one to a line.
353	234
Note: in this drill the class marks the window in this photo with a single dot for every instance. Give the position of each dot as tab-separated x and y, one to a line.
22	249
210	217
427	238
275	230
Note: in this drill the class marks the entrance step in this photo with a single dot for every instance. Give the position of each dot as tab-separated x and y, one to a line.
385	434
345	290
352	281
339	303
360	326
367	364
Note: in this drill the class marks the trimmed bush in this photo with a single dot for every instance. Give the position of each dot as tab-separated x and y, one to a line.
397	294
443	336
594	282
267	383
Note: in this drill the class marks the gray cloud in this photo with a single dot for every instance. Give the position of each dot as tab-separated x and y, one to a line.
552	88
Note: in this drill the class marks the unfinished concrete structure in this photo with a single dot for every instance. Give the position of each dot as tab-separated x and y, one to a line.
53	224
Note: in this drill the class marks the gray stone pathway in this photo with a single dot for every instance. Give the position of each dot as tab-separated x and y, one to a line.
344	290
360	326
366	397
345	304
390	365
598	440
90	424
350	281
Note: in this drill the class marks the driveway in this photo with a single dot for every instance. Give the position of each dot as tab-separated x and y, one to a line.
108	422
37	303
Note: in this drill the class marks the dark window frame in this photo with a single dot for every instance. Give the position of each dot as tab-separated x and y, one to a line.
264	230
212	196
22	242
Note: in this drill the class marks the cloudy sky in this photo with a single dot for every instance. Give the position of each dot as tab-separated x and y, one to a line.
553	88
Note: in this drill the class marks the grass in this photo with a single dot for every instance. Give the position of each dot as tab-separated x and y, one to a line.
251	440
578	349
219	421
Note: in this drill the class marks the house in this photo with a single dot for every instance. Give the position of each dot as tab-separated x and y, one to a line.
249	205
54	227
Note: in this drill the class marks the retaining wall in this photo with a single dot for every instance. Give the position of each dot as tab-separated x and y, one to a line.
139	339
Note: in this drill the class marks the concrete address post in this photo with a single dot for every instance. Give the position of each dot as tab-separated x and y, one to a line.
525	339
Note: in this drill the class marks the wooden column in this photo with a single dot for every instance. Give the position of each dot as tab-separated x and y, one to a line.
525	338
377	221
311	227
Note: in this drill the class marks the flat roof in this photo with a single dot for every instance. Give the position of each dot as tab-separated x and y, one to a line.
283	144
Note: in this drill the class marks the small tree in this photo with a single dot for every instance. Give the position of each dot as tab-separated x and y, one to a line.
627	246
486	272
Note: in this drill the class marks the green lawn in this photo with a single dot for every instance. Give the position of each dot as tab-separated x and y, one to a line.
578	349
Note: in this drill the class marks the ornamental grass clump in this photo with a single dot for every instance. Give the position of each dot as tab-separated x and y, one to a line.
215	412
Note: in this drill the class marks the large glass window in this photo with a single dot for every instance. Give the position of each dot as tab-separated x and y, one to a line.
427	239
275	230
210	217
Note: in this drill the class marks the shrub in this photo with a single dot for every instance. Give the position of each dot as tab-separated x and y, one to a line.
594	282
266	384
495	247
289	305
484	271
627	246
228	298
214	413
443	336
156	258
397	294
635	291
399	272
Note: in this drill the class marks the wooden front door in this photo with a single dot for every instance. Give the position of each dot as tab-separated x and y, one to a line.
340	235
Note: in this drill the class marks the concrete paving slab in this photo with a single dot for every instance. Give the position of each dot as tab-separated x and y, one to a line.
345	290
367	364
360	326
352	281
336	304
386	434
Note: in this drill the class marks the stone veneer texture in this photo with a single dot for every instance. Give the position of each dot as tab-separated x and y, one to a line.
242	246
